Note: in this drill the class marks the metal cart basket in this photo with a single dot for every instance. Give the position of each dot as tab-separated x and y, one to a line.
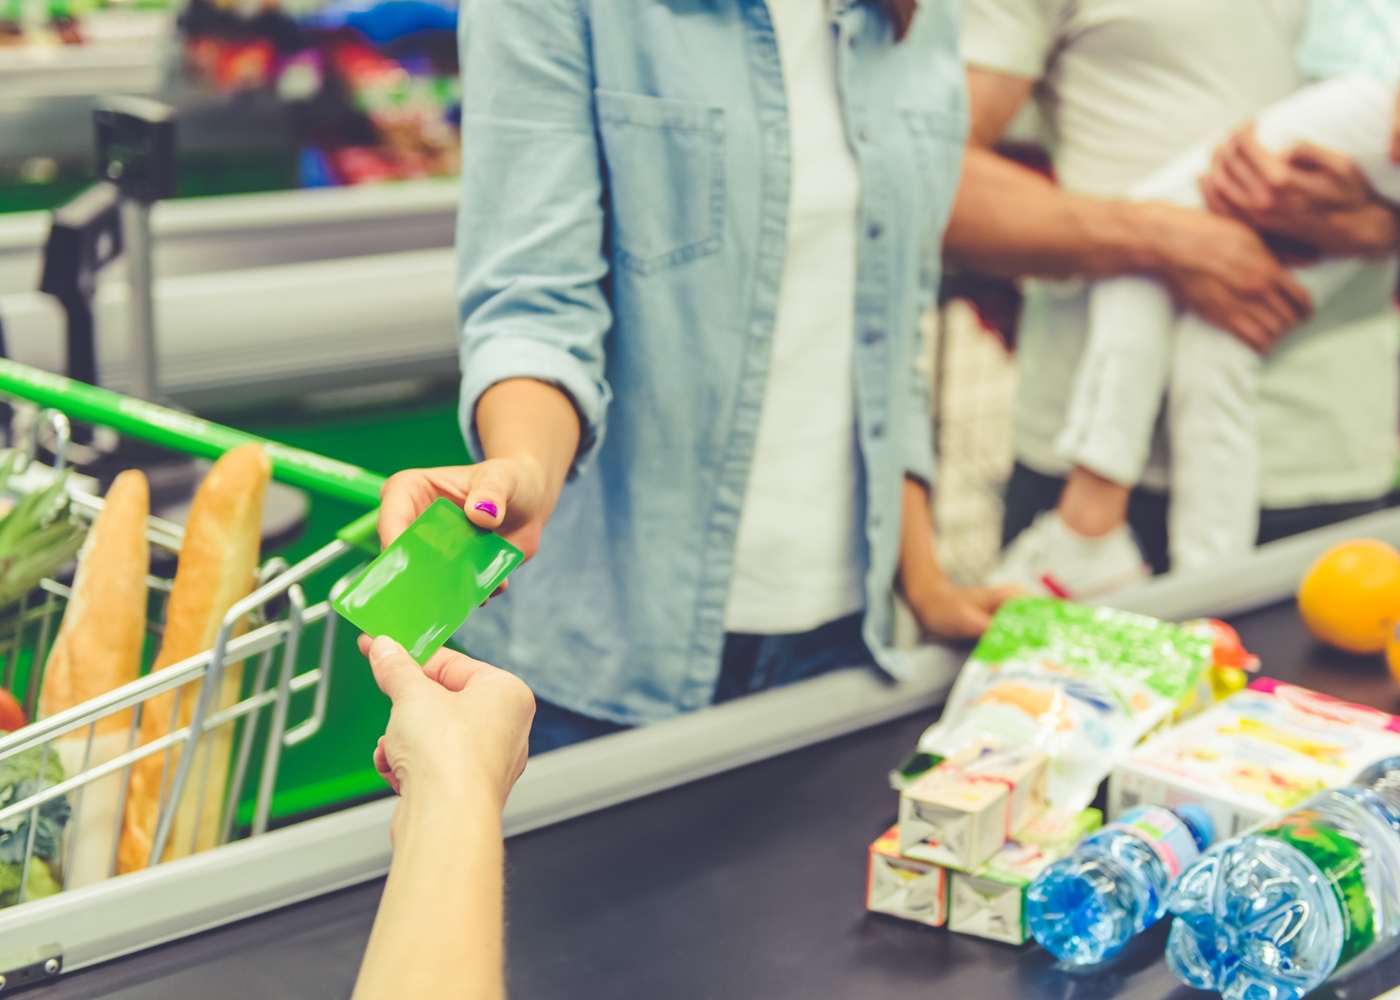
69	760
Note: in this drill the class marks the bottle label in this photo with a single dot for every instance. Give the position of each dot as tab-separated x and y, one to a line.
1340	858
1168	836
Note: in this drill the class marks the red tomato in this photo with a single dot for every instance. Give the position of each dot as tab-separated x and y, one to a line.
11	715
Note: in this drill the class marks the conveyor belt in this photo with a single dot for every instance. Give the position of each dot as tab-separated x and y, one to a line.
745	885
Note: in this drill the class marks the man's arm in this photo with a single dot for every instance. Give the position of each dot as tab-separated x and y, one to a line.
1010	221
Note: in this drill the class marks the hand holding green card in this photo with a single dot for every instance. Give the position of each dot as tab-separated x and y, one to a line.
422	587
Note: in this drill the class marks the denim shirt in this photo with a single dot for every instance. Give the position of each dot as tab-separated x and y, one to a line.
621	235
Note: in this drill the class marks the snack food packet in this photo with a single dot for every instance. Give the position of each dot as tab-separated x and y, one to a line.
1082	684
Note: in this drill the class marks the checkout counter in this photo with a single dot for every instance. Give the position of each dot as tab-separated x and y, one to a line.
721	854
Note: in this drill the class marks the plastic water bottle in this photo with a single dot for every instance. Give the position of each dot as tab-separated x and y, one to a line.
1085	907
1271	915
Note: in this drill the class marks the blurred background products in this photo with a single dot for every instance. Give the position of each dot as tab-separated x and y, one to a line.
270	96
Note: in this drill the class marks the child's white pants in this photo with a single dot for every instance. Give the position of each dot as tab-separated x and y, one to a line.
1141	349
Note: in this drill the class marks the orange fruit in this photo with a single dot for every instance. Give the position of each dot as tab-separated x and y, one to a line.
1350	598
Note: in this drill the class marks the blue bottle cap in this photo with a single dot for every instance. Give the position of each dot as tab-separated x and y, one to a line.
1198	821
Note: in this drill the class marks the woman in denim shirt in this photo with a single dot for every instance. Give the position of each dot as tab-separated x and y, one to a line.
695	241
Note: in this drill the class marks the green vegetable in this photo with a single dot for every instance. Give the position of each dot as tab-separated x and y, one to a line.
37	536
41	882
19	779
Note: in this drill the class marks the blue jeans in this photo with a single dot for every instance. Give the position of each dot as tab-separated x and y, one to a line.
750	663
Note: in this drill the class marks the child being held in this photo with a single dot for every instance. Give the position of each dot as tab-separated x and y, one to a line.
1140	348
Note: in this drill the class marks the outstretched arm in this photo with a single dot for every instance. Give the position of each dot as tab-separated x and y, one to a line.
1013	222
455	744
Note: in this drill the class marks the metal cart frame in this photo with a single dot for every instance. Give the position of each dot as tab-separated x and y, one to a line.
275	613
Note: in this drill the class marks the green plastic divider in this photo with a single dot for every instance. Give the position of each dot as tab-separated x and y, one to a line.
186	433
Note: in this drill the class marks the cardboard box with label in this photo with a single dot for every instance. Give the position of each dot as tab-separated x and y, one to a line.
1255	755
991	902
901	887
960	813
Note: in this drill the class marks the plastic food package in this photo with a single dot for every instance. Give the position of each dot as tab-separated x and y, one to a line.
1082	684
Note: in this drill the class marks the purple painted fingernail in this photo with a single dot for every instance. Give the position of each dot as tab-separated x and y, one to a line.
487	508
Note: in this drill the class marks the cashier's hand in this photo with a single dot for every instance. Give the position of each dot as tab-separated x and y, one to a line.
505	495
458	726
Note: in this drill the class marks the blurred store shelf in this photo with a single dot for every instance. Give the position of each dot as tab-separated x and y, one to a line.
257	335
32	71
204	235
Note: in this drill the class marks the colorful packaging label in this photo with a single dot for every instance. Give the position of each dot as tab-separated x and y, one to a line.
1081	684
963	810
1254	755
902	887
1164	832
1341	859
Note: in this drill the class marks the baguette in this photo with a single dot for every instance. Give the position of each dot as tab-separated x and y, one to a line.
217	568
98	649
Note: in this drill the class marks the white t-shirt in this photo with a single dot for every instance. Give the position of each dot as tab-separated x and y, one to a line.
1124	86
797	556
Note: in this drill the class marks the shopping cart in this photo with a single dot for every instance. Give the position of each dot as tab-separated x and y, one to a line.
69	770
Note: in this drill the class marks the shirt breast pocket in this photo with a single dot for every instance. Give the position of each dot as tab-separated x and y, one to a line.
938	140
665	164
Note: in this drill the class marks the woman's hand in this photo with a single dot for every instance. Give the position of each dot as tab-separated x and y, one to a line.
1308	195
953	612
941	607
530	432
458	727
456	742
506	495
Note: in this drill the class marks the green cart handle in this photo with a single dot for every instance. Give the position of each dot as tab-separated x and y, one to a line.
182	432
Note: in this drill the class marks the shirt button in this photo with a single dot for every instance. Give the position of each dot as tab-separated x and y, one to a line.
852	41
877	430
875	231
876	520
863	134
872	336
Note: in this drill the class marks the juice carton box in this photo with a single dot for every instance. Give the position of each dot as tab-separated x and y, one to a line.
991	902
901	887
960	813
1254	755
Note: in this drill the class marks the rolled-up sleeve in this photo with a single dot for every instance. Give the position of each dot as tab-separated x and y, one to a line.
530	227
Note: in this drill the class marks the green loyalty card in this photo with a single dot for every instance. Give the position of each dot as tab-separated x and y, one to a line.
420	589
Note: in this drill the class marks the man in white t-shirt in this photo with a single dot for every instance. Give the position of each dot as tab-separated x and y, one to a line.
1124	86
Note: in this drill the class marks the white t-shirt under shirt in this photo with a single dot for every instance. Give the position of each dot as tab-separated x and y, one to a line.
797	559
1125	86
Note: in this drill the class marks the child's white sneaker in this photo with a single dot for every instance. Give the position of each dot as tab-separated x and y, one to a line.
1053	560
